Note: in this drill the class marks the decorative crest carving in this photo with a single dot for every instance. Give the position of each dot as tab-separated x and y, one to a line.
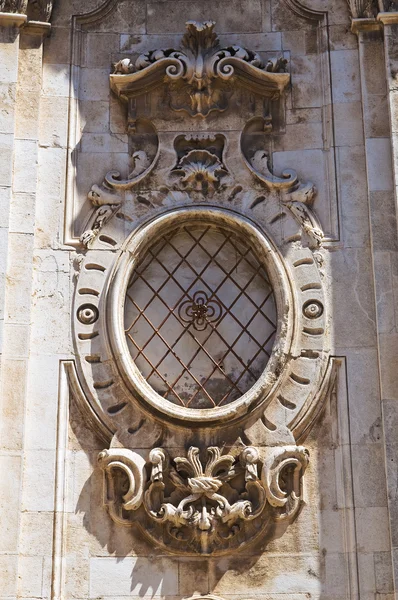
198	507
200	73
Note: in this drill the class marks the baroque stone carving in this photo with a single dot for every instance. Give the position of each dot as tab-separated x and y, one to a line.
171	339
297	196
200	74
13	6
38	10
200	166
360	9
206	507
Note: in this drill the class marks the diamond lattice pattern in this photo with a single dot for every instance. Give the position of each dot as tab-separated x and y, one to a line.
200	317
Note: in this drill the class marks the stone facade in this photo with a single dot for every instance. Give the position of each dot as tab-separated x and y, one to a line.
198	300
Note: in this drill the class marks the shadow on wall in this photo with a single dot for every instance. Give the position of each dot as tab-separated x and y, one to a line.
300	558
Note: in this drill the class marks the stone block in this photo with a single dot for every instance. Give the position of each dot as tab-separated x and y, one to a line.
9	59
104	143
351	174
351	273
42	405
38	481
25	166
99	49
268	574
94	84
231	16
22	210
384	289
136	576
389	375
369	475
6	149
56	47
10	467
36	533
373	532
56	80
345	76
378	159
30	576
383	572
8	570
53	123
348	123
366	572
12	407
7	107
375	123
94	116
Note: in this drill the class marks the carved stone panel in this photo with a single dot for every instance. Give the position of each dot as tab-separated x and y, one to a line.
200	308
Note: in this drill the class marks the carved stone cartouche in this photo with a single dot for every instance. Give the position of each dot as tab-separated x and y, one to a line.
194	501
199	75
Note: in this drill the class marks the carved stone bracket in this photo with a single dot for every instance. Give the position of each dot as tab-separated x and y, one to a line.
205	507
199	75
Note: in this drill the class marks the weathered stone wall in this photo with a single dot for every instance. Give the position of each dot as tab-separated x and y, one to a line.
62	129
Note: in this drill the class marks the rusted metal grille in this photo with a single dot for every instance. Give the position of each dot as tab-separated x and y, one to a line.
200	317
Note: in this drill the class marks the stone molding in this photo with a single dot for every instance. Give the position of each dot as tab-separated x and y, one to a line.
10	19
388	18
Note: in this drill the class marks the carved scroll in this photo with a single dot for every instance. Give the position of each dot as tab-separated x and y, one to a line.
202	506
200	73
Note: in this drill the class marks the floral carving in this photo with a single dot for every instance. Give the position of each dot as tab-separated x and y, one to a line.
200	72
200	311
204	510
204	507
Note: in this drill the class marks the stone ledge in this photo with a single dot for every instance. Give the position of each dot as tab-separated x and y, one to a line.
365	25
37	28
12	19
388	18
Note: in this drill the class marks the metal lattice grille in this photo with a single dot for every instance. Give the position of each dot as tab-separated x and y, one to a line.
200	317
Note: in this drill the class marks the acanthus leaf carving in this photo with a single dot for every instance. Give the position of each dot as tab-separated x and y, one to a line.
200	72
193	501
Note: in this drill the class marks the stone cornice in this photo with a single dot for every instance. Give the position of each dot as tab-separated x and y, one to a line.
12	19
388	18
365	25
38	28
